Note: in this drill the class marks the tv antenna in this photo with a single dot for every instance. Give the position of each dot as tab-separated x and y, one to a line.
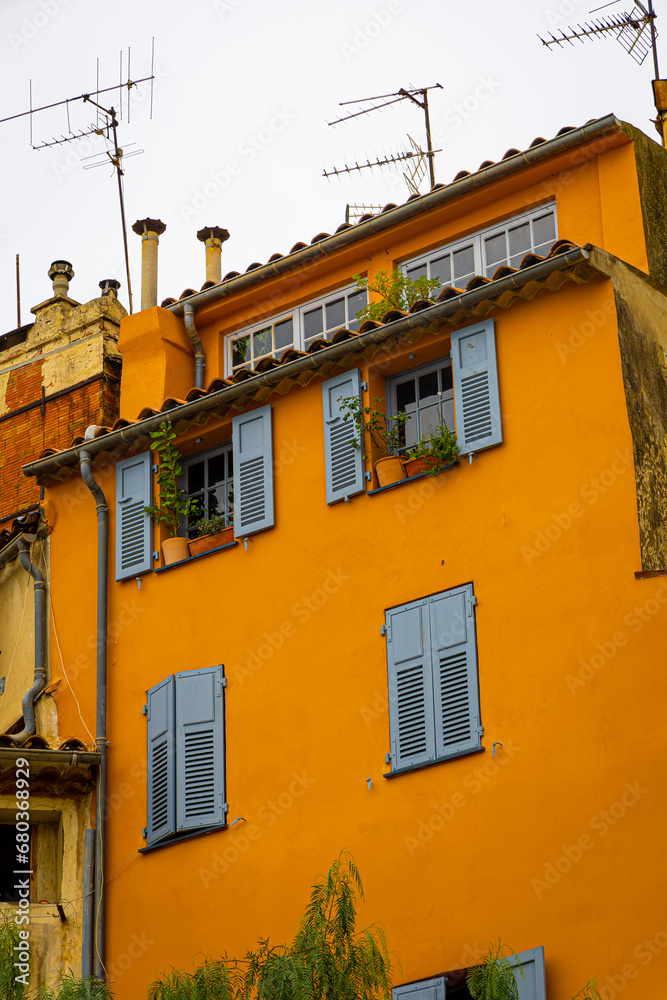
106	125
419	96
636	33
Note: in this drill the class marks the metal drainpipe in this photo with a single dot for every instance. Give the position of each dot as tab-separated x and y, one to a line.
200	359
39	683
101	730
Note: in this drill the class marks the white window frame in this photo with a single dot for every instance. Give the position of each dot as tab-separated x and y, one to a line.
297	316
445	397
478	243
190	530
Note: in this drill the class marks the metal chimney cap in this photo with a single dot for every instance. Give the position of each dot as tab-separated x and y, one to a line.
213	233
109	285
61	267
142	226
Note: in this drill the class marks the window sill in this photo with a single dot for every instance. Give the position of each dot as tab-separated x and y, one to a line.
202	555
410	479
432	763
179	838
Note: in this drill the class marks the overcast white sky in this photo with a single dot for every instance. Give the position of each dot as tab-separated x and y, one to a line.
238	137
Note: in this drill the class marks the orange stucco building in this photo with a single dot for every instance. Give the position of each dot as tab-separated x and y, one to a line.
458	678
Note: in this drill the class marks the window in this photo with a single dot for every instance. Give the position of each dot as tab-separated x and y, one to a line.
208	479
44	865
296	329
483	253
186	788
452	985
433	689
427	395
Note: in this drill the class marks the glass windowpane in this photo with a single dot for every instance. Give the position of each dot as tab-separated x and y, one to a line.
428	387
312	323
216	469
448	414
406	396
419	271
335	314
519	239
429	419
240	351
496	250
284	335
464	263
196	479
441	268
261	343
544	230
446	378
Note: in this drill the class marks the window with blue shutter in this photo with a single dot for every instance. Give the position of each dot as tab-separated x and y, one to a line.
476	397
186	754
344	464
532	984
427	989
433	685
133	526
253	471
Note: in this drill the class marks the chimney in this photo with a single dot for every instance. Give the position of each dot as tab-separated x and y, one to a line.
149	230
110	287
213	237
61	273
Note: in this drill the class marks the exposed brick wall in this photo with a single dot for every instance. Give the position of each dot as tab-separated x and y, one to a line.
24	386
24	436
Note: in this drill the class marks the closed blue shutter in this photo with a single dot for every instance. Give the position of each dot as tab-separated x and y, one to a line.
410	686
343	462
532	986
200	749
476	397
161	762
454	657
133	534
253	471
427	989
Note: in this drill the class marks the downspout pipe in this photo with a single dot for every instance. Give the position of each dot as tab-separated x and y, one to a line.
39	683
191	329
102	509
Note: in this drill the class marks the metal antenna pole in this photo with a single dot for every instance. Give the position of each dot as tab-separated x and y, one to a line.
119	174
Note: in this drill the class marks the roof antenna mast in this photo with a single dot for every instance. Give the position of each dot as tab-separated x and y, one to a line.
637	33
421	157
106	125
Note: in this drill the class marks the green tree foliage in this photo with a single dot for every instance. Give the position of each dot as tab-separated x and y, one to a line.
495	978
10	989
394	290
173	503
327	960
69	987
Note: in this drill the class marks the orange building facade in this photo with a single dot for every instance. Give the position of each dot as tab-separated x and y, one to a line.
457	678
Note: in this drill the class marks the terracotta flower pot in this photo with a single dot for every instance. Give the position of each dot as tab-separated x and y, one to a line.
174	550
418	466
207	542
389	470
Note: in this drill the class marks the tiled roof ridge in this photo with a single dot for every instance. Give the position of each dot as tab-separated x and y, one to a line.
609	123
453	305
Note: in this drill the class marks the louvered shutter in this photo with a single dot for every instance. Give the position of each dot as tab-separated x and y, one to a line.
454	657
133	526
161	762
199	749
532	985
253	471
410	686
343	462
427	989
476	397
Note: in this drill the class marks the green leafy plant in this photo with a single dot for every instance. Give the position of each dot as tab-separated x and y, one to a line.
69	987
385	431
394	290
173	503
10	988
436	449
590	991
213	524
495	978
327	960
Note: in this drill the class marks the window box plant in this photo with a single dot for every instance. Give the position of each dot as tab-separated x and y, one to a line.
384	432
213	532
433	453
173	504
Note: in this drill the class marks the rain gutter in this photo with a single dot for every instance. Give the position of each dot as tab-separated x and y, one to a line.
472	182
441	311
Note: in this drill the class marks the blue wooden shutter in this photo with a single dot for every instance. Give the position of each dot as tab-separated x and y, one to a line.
476	397
199	749
161	762
410	686
343	462
133	526
454	653
253	471
532	985
427	989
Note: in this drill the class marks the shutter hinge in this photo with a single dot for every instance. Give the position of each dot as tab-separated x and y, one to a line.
223	681
225	808
156	555
144	709
144	833
368	476
387	758
154	468
364	385
451	354
386	630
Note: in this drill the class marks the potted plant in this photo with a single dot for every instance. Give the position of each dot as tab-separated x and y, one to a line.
434	452
173	503
212	532
393	290
385	433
